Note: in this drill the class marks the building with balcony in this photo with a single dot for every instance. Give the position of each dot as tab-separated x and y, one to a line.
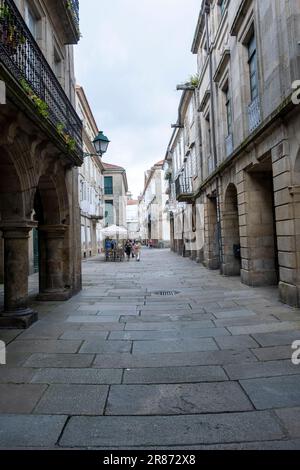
154	223
115	195
41	150
91	182
246	177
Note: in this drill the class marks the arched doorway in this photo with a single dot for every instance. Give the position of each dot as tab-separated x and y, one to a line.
15	228
231	234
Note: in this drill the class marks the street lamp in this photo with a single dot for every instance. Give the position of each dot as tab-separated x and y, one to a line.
100	143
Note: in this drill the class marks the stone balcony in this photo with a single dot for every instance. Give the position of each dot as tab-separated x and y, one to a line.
32	87
66	13
184	188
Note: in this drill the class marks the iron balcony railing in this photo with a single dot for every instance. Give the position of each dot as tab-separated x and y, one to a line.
229	145
254	114
183	186
24	60
73	5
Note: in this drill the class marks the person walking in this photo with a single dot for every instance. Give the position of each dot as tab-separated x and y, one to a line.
128	249
137	251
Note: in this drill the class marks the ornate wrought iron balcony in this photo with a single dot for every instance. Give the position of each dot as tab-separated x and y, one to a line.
184	188
24	68
229	145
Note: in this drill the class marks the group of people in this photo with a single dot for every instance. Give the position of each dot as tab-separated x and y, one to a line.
132	249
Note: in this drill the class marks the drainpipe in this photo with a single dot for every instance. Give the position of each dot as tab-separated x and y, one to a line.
213	130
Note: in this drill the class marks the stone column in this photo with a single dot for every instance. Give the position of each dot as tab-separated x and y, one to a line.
16	313
52	285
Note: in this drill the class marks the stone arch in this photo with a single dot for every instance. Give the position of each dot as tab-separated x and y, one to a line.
51	207
231	233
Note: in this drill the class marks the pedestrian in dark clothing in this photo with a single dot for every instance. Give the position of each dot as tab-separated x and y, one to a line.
128	249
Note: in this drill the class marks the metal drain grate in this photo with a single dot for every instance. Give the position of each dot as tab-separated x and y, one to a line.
166	292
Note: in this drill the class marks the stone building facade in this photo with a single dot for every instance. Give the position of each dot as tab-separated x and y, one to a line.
132	218
41	148
91	182
115	198
245	183
154	223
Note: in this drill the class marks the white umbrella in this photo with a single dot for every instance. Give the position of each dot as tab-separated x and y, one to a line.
115	231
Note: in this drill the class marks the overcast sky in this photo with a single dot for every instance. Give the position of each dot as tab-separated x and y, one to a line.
131	56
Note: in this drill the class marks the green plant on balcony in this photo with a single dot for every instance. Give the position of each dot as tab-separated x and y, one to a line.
195	80
10	36
42	107
69	141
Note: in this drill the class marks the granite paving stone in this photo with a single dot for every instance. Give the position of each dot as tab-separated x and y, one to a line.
77	376
47	346
173	359
73	400
174	399
20	398
284	338
290	417
59	360
261	369
235	342
144	431
175	375
273	353
165	335
16	375
101	346
273	392
29	431
180	345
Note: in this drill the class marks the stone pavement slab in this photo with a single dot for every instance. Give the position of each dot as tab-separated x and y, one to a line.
160	375
235	342
143	431
77	376
73	400
15	375
172	399
273	392
20	398
283	338
47	346
290	417
102	346
273	354
173	359
167	346
164	335
30	431
59	360
261	369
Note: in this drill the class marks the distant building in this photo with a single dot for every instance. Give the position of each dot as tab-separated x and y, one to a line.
154	222
115	190
132	219
90	180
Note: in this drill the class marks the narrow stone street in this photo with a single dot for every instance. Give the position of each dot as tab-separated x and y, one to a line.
120	366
